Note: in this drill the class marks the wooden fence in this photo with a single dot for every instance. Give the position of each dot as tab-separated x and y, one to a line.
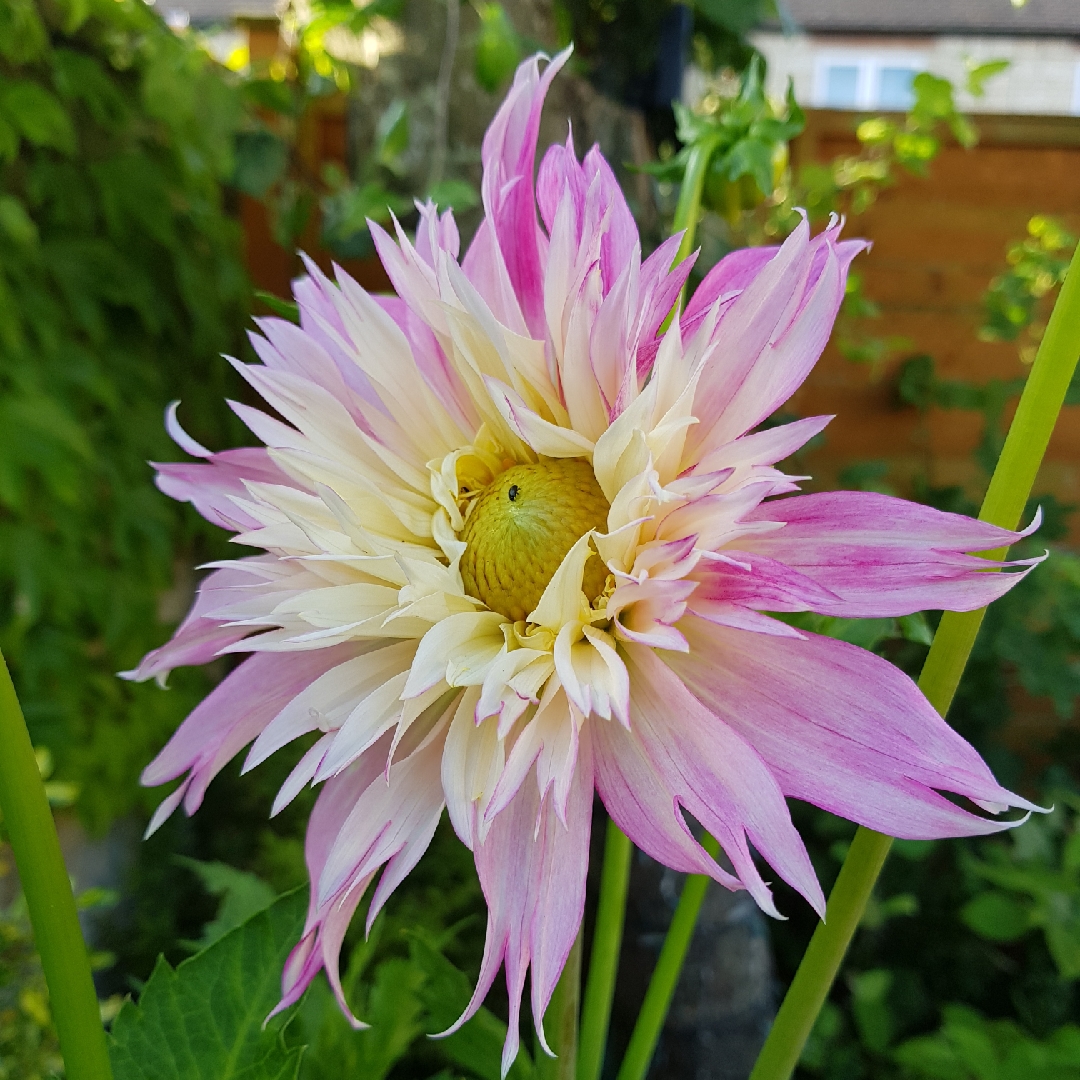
938	241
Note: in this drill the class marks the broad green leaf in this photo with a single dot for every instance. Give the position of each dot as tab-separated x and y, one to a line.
80	77
204	1020
38	116
242	896
996	916
75	13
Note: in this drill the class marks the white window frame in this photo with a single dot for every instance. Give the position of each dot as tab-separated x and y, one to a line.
1076	90
868	81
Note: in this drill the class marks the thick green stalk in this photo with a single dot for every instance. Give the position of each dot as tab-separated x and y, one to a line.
604	960
561	1022
665	978
1008	493
47	889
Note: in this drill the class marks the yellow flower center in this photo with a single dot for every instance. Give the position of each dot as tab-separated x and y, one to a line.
520	528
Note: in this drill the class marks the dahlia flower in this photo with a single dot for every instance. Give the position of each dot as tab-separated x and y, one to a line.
516	544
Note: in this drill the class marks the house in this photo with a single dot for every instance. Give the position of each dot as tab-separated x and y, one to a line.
863	54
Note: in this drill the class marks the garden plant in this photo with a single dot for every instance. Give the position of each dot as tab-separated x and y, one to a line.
521	540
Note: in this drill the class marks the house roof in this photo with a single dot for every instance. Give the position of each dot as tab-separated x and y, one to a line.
210	12
1037	18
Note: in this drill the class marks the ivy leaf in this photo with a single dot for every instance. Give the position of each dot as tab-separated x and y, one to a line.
204	1020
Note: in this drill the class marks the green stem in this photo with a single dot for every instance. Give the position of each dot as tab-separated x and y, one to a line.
688	208
665	978
47	889
561	1022
1008	493
604	959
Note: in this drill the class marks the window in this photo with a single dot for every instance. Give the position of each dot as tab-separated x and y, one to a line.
894	88
841	86
852	80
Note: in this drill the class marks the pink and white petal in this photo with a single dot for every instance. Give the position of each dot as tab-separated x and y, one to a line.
325	926
733	273
769	337
646	611
763	447
508	153
472	762
753	580
532	871
392	819
328	702
881	556
843	729
200	637
680	756
233	714
213	486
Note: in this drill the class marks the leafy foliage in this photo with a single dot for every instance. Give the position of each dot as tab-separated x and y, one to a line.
747	139
29	1049
120	282
321	46
1016	304
204	1020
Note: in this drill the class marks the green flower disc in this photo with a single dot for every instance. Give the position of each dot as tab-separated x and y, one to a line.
522	525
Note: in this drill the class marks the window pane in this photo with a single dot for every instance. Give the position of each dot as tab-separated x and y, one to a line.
894	88
841	83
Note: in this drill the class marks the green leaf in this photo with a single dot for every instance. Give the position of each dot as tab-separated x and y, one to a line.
978	74
9	141
455	194
261	158
498	50
75	13
242	896
392	135
23	35
869	1002
204	1020
996	916
477	1045
16	222
38	115
285	309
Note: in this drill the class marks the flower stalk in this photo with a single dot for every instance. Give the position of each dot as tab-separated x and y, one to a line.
1008	493
561	1022
45	884
615	877
604	959
665	977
